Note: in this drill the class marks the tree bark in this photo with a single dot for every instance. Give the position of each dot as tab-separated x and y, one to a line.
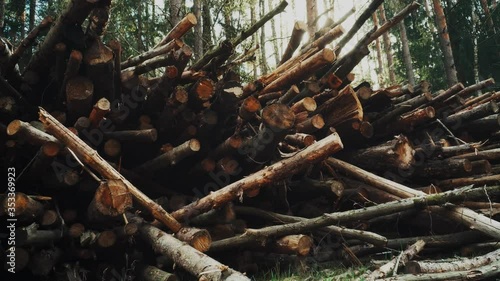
198	33
2	16
418	267
175	11
193	261
273	173
312	14
388	48
90	157
402	259
444	40
299	28
378	49
410	75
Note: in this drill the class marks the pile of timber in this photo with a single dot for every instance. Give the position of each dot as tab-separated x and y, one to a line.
115	174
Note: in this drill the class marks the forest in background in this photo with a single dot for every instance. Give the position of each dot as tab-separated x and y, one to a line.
139	25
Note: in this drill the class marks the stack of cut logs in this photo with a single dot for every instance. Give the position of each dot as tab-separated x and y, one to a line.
117	174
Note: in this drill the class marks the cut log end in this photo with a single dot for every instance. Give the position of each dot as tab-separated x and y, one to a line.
14	127
198	238
278	116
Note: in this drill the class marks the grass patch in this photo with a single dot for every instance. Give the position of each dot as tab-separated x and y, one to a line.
326	272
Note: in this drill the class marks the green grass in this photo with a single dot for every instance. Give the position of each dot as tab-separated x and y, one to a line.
331	272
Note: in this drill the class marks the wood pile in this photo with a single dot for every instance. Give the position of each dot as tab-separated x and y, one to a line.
193	175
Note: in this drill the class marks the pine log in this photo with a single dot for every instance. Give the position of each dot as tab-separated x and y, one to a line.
79	97
444	168
299	28
99	63
135	136
171	157
73	15
293	244
459	214
111	199
181	28
343	107
301	71
362	18
402	108
201	93
32	236
403	259
393	155
408	121
100	109
193	261
479	273
266	176
26	132
44	158
306	104
152	273
476	87
116	47
461	264
475	180
174	44
454	121
366	236
441	96
250	236
400	16
25	44
25	209
490	154
311	125
90	157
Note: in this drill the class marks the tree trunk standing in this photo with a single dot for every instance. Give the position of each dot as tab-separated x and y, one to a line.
388	50
198	33
312	14
32	14
207	27
139	27
487	14
380	67
276	51
406	54
175	11
444	40
475	24
263	57
2	16
255	40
